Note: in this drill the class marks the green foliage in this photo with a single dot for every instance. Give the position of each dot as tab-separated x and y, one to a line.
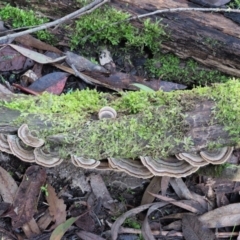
228	105
22	18
68	109
234	4
97	26
169	68
132	223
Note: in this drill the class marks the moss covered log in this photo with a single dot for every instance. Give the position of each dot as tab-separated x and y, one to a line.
148	124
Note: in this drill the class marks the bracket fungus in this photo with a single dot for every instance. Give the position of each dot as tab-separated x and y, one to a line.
4	146
84	162
133	168
107	112
192	158
46	159
27	137
19	149
170	167
217	156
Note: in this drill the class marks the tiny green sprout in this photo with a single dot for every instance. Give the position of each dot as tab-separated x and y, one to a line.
44	190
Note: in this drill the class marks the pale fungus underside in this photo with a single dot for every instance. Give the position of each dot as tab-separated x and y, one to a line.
146	126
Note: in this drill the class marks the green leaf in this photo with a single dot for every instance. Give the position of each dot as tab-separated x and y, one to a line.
143	87
62	228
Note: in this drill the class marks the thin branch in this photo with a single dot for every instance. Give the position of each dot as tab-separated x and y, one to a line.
171	10
87	9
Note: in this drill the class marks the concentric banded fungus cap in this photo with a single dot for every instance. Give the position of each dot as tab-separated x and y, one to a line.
19	149
26	136
193	158
133	168
46	159
107	112
170	167
4	146
217	156
84	162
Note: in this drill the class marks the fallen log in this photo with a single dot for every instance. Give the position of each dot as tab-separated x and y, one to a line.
148	125
209	38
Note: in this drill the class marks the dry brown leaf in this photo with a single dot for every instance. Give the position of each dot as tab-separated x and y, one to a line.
57	208
8	186
193	229
119	221
100	191
176	226
221	200
31	229
154	187
164	185
35	56
88	236
10	60
222	217
45	220
146	230
26	198
180	188
31	41
182	204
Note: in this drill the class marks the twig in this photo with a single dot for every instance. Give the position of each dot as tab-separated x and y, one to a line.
170	10
87	9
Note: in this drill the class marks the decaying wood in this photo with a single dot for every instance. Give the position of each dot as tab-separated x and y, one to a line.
209	38
201	126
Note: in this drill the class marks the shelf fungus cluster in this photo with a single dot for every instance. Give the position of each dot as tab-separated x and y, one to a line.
29	148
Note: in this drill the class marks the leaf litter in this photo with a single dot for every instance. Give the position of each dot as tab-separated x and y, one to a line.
213	203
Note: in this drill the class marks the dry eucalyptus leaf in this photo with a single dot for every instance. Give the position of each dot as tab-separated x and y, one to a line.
88	236
154	187
180	188
57	207
35	56
226	216
120	220
8	186
146	230
11	60
165	184
193	229
31	41
182	204
26	198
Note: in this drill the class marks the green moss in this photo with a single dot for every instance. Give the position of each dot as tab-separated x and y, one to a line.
22	18
170	68
234	4
157	130
97	27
